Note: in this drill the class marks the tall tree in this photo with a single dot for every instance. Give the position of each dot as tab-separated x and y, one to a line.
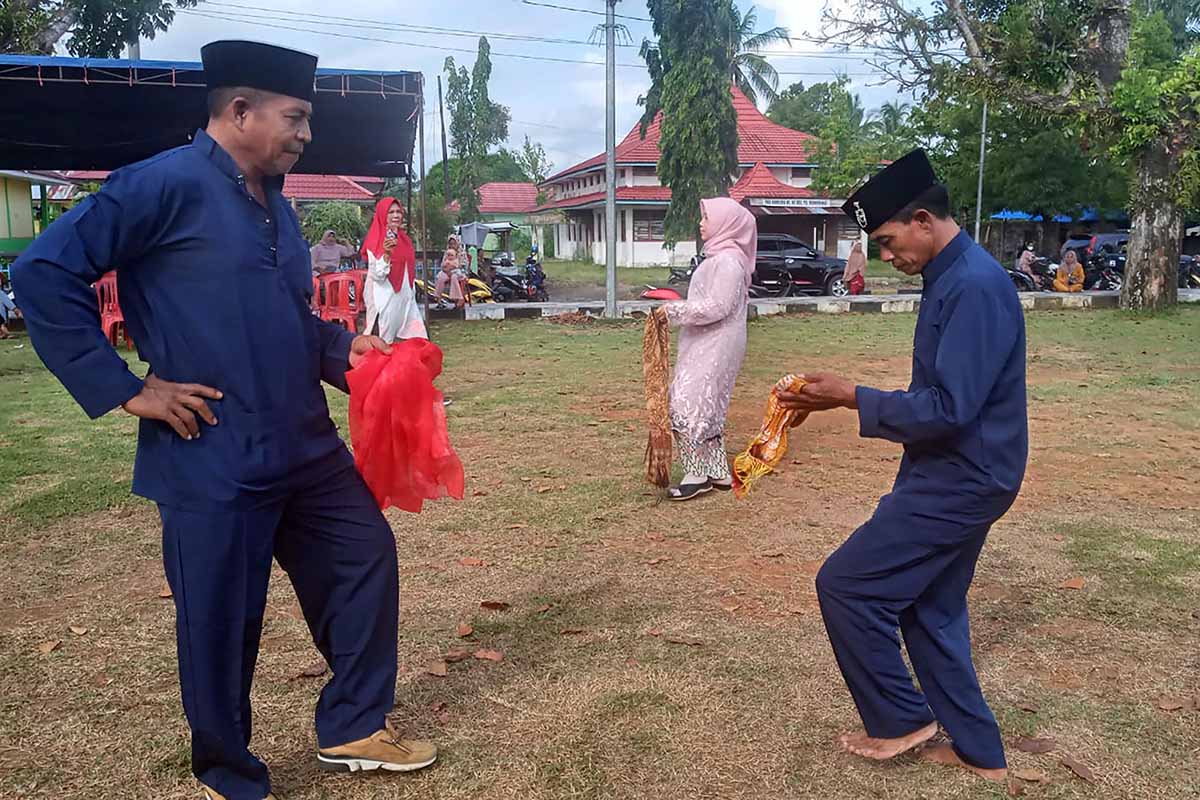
476	124
534	163
803	109
752	73
97	28
690	73
848	149
1118	73
892	117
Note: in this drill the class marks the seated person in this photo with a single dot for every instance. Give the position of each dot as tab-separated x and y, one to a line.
328	253
1070	274
450	279
1025	264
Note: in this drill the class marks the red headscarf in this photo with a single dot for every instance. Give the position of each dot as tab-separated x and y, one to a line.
404	255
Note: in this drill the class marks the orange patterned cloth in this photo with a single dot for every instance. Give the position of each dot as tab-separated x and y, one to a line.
768	448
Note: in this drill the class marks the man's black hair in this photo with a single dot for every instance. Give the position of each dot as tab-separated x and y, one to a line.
935	200
220	98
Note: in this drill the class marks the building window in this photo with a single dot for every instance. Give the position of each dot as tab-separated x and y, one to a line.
648	226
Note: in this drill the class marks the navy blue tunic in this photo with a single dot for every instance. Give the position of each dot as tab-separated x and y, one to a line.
215	290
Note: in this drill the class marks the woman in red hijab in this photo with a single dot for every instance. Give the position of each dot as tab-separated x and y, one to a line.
390	298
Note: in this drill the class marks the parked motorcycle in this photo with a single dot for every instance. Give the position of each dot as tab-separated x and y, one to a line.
1042	279
1189	272
680	275
476	290
527	283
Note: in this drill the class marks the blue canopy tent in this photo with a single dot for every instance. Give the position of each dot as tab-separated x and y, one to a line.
101	114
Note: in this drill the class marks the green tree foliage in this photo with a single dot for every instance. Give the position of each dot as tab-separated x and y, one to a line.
1033	164
534	163
97	28
344	219
801	108
1119	75
476	125
690	69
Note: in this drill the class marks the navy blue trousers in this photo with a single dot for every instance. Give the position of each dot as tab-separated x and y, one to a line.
340	555
910	570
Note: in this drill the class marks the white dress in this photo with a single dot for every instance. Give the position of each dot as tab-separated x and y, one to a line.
398	313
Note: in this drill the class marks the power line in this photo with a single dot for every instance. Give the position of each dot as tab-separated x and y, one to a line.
257	20
582	10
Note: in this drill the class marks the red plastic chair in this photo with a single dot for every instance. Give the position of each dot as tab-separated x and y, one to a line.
112	319
343	298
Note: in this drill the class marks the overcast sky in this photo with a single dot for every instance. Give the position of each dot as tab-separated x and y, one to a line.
558	104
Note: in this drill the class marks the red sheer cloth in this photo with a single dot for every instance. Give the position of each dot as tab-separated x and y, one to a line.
398	427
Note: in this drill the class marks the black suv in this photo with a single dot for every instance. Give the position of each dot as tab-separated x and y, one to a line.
808	272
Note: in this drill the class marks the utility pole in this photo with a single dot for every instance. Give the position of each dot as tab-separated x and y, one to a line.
426	261
610	167
445	148
979	191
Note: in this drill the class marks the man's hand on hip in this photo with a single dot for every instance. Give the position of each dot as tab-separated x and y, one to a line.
821	392
177	404
366	344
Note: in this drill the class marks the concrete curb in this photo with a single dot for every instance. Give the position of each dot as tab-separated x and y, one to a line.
871	304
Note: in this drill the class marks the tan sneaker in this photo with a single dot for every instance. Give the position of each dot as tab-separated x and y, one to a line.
383	749
213	794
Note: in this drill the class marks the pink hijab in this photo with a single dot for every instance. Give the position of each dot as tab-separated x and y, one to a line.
731	229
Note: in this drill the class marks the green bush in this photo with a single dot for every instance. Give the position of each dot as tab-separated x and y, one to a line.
344	219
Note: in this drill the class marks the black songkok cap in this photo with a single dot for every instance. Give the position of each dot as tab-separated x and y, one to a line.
259	66
887	192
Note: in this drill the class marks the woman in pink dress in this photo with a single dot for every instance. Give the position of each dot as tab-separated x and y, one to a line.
712	344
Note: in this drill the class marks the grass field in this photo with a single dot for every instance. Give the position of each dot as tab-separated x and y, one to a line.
651	650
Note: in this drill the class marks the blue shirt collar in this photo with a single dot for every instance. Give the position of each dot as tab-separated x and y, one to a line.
224	162
942	261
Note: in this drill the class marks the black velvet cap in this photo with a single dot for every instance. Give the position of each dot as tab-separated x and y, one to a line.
888	191
259	66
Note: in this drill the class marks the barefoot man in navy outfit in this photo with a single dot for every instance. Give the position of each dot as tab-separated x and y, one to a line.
235	443
962	423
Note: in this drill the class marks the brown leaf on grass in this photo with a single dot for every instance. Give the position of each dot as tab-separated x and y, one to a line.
438	708
495	605
314	670
1031	775
655	537
438	669
654	632
464	630
544	489
1028	707
797	610
690	641
489	655
444	718
1036	746
520	526
471	561
572	631
46	648
654	562
79	630
1079	769
772	554
1016	788
456	655
479	493
1074	583
165	591
1173	703
544	609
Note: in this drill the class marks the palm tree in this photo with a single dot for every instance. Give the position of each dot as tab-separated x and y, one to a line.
751	71
892	117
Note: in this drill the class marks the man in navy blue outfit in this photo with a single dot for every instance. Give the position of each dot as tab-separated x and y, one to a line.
963	425
235	442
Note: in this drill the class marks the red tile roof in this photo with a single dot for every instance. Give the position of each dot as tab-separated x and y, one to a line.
625	194
323	187
507	198
759	139
759	182
298	187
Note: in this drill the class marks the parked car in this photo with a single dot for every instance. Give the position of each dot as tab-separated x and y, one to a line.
808	272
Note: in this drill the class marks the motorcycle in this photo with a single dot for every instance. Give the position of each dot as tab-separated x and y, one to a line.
680	275
1042	280
528	283
1189	272
476	291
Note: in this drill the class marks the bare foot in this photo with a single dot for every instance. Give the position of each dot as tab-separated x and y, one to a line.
943	753
882	749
